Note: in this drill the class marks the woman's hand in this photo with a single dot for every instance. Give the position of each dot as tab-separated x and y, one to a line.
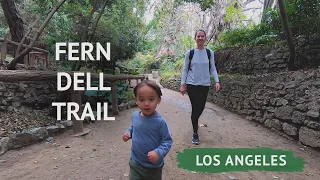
218	87
182	89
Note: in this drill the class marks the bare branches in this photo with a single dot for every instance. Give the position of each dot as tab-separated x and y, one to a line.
248	2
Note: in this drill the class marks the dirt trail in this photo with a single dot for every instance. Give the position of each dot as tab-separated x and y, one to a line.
103	155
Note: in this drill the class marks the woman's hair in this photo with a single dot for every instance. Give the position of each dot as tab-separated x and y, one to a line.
200	30
149	83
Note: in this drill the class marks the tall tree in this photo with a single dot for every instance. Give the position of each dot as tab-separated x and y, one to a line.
14	19
287	31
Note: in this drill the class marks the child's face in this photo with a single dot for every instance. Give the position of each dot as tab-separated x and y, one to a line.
147	100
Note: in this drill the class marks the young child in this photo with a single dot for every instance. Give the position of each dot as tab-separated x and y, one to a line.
151	139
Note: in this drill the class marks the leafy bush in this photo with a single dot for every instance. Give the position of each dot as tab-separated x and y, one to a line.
248	35
146	62
128	96
106	96
167	75
3	31
167	65
303	17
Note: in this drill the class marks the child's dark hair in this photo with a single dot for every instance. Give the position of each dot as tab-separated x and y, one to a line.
149	83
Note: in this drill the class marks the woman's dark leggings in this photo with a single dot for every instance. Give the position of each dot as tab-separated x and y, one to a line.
198	97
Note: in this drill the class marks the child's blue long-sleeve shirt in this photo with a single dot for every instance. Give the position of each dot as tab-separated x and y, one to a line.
149	134
200	74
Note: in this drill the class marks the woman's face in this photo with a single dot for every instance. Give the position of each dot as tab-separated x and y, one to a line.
200	38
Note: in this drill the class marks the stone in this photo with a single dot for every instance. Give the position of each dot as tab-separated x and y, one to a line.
284	112
301	100
8	94
4	145
313	113
309	137
52	130
290	85
66	123
274	85
4	102
2	87
22	139
298	117
121	107
13	85
15	104
255	104
40	133
62	128
312	124
281	102
10	108
302	107
273	101
290	129
132	104
273	123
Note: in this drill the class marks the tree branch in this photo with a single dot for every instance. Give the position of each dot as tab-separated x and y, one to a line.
248	2
249	9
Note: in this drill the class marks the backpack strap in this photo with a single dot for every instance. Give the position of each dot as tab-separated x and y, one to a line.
209	56
191	56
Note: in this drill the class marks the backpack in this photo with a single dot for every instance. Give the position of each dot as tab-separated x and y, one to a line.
191	56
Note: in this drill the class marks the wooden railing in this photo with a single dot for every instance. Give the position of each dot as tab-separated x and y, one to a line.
20	75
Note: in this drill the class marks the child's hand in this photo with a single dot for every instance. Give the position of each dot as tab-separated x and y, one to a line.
126	136
153	156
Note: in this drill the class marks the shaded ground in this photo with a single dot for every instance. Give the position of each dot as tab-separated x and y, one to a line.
103	155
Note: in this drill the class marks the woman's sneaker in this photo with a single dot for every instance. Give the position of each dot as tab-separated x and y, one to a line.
195	139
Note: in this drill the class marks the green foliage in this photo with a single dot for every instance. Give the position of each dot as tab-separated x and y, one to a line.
167	75
303	17
123	92
171	68
146	63
134	63
3	31
234	12
128	95
120	24
186	42
167	65
248	35
149	65
204	4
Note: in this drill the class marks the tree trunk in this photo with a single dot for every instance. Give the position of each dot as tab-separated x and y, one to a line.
14	20
287	31
77	125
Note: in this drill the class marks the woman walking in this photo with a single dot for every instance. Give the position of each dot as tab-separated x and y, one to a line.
198	65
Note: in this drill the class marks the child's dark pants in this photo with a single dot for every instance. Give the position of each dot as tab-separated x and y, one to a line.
198	97
138	172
